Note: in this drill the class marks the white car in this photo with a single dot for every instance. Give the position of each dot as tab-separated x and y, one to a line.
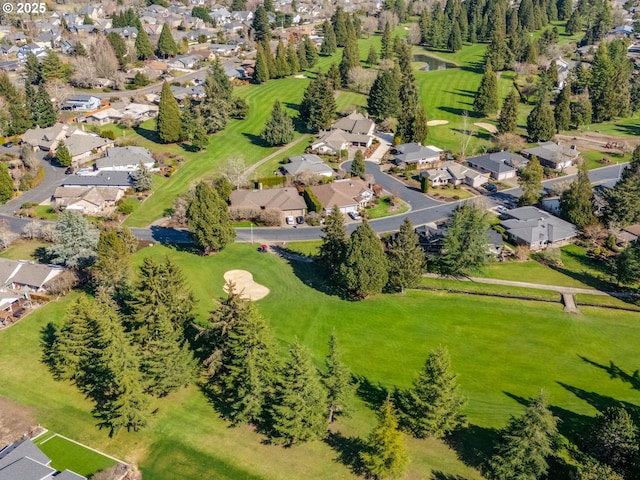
290	220
355	215
501	210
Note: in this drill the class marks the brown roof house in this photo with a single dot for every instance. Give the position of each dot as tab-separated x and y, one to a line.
287	200
20	274
350	195
87	200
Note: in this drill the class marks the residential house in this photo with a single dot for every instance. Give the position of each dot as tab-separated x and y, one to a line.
101	179
355	123
220	15
415	154
499	164
81	103
455	174
564	67
23	460
242	16
553	155
350	195
185	62
307	163
83	145
104	116
223	50
622	30
20	274
287	200
125	159
333	141
537	229
432	239
628	235
128	33
91	11
87	200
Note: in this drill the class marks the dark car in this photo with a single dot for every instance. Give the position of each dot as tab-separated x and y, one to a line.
8	145
300	220
490	187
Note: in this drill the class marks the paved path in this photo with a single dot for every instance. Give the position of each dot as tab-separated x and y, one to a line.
286	147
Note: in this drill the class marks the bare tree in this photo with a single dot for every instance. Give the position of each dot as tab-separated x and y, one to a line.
369	25
361	79
84	72
510	142
386	64
48	232
387	16
414	35
466	135
6	235
58	91
31	231
234	169
104	57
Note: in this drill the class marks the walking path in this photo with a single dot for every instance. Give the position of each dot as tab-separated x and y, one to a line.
283	149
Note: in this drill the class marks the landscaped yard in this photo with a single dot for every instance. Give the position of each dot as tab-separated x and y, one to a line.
23	249
450	193
504	350
384	208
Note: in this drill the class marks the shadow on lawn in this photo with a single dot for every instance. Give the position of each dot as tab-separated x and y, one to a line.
628	129
348	450
602	402
438	475
256	140
373	395
151	135
615	372
585	276
473	445
315	277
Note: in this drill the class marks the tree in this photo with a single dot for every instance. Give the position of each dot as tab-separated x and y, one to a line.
6	185
406	258
562	112
328	46
358	166
350	58
278	130
42	111
282	62
168	122
76	240
166	44
213	111
32	69
208	219
593	470
337	380
622	201
576	203
508	119
386	50
465	246
581	111
334	242
310	51
260	25
364	270
63	157
113	265
119	48
339	21
292	57
540	121
531	182
627	265
54	69
144	48
455	38
574	24
384	96
318	105
372	57
106	62
602	87
385	454
200	138
486	100
261	70
525	444
142	181
300	401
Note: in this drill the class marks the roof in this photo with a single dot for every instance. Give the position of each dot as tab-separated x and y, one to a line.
355	123
496	162
307	163
342	193
102	179
24	461
78	143
552	152
34	274
412	152
22	448
26	468
280	198
124	156
633	229
532	225
95	195
69	475
7	269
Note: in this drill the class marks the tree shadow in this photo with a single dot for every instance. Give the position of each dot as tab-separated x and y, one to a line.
215	400
483	134
171	236
602	402
151	135
461	111
438	475
256	140
475	67
187	147
628	129
292	106
48	337
464	93
348	450
616	372
373	395
473	444
316	277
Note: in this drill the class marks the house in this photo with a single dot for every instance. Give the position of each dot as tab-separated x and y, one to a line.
355	123
185	62
564	67
432	239
553	155
19	274
499	164
87	200
350	195
333	141
415	154
287	200
628	235
83	145
307	163
537	229
624	30
103	116
101	179
125	159
24	461
455	174
125	32
140	111
82	103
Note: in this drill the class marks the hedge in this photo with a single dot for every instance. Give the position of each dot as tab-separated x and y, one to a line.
313	204
424	184
271	181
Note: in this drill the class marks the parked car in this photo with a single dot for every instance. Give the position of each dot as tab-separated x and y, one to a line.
355	215
490	187
502	210
300	220
290	220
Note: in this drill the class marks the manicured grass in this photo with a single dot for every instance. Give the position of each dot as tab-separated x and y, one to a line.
133	201
461	193
22	249
462	286
594	158
71	456
46	212
384	209
607	301
347	100
309	248
268	168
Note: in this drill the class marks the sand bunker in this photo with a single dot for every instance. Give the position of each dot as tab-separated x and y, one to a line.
433	123
299	76
487	126
244	283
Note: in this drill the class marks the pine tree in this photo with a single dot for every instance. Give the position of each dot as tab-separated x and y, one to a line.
627	264
364	270
43	113
562	112
526	16
187	121
334	242
260	25
372	57
434	405
593	470
406	258
63	157
32	69
282	62
384	96
278	130
486	100
386	50
350	59
574	24
213	111
310	52
318	105
623	200
200	138
300	401
602	88
358	166
54	69
385	455
540	121
339	21
465	246
112	269
337	380
329	45
292	57
418	127
208	219
525	444
333	74
455	38
576	203
261	70
166	44
168	122
508	120
530	182
144	48
6	185
302	56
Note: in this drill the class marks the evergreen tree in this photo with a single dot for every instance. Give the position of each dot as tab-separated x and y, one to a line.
282	62
302	56
334	242
268	5
358	166
208	219
372	57
465	246
562	112
455	38
602	88
540	121
406	258
168	122
576	203
525	444
581	111
333	74
260	25
113	267
623	200
627	264
337	380
593	470
508	120
526	15
200	138
187	121
350	59
386	50
42	111
329	45
292	57
63	157
384	96
278	130
213	111
486	100
76	240
318	105
54	69
310	52
385	455
434	405
144	48
420	126
339	21
6	185
32	69
142	181
119	48
166	44
530	182
300	401
574	24
364	270
261	70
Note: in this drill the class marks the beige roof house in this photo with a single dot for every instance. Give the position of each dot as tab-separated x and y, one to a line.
287	200
355	123
21	273
333	141
89	200
349	194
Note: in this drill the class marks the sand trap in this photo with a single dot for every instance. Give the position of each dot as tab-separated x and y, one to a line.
487	126
433	123
244	284
300	76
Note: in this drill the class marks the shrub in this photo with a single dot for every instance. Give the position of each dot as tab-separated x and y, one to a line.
109	134
313	219
271	181
313	204
125	208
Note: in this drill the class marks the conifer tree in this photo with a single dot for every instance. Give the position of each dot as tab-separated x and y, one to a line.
465	246
386	49
278	129
168	116
187	121
208	219
562	112
260	25
364	270
623	200
292	58
602	88
32	69
200	138
420	126
525	444
540	121
486	100
213	111
318	105
574	24
337	380
76	240
350	59
300	401
302	56
6	185
508	120
455	38
576	203
144	48
113	266
434	404
334	242
333	74
339	21
282	62
384	96
261	70
63	157
310	51
358	166
530	182
385	455
406	258
119	48
42	111
328	46
372	57
166	44
54	69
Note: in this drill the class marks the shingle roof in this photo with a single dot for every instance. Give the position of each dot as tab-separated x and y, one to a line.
494	162
280	198
102	179
355	123
124	156
34	274
342	193
412	152
20	449
552	152
26	468
307	163
532	225
7	269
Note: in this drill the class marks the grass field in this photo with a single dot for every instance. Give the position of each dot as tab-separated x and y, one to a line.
22	250
68	455
504	350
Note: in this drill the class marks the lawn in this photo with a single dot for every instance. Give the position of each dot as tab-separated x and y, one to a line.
65	454
23	249
46	212
504	350
384	208
309	248
448	193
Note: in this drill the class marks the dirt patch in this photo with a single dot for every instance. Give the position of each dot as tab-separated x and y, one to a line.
433	123
15	422
244	284
598	141
487	126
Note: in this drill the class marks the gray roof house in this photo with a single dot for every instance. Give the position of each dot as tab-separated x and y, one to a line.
455	174
553	155
500	165
102	179
125	159
307	163
355	123
24	461
414	153
333	141
537	229
22	273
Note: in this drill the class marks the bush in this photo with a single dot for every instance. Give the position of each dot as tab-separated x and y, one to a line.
27	205
424	184
271	181
313	219
313	204
125	208
108	134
